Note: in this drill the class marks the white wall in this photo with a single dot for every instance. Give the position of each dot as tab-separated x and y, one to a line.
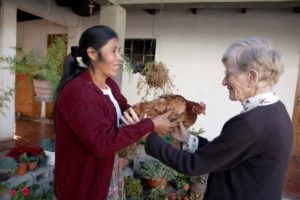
7	79
192	46
32	35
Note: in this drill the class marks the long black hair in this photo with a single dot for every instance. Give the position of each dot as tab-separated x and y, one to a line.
95	37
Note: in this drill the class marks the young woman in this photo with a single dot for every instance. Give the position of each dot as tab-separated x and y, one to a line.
89	133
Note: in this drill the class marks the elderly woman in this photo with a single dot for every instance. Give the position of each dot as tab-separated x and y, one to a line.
249	159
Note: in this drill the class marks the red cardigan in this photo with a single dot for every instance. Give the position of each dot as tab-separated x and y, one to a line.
87	138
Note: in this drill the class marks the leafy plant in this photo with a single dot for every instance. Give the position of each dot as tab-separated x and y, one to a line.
24	158
17	152
45	68
195	132
7	167
133	188
156	170
199	179
8	163
157	193
47	144
6	97
26	192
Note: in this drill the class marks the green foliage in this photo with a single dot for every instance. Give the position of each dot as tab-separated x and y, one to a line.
195	132
6	97
199	179
156	194
8	163
47	144
8	167
49	67
24	192
157	170
127	66
24	158
133	188
46	68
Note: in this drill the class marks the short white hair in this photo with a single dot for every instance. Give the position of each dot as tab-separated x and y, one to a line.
258	54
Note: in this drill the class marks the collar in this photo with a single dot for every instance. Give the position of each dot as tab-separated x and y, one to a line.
259	100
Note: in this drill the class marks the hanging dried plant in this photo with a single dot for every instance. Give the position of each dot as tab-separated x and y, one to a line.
155	80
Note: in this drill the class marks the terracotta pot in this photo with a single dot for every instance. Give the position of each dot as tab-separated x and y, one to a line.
42	90
22	169
154	183
32	165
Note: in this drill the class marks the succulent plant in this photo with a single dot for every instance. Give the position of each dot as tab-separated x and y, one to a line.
47	144
8	166
24	158
157	170
8	163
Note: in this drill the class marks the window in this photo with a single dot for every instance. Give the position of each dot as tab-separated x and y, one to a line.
140	51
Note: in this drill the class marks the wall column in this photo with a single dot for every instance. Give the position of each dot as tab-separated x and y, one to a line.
8	35
115	17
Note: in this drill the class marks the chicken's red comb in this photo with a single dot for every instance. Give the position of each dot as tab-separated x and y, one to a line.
199	109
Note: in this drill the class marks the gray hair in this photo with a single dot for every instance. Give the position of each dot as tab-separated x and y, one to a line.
258	54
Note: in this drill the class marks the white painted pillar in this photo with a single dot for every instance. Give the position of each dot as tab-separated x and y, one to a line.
8	37
115	17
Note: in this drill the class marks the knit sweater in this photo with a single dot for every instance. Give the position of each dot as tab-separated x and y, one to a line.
247	161
87	139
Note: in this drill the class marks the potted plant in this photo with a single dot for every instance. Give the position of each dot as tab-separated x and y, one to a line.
156	173
32	163
22	169
49	147
44	71
155	79
8	166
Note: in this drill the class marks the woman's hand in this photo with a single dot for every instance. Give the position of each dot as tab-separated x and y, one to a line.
162	124
181	134
130	117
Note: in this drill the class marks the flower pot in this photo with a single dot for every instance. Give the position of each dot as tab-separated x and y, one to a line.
32	165
42	90
22	169
154	183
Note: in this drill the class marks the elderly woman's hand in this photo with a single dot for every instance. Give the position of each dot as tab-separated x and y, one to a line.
130	117
181	134
162	124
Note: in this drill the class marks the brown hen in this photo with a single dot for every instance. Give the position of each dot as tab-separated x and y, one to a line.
182	110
